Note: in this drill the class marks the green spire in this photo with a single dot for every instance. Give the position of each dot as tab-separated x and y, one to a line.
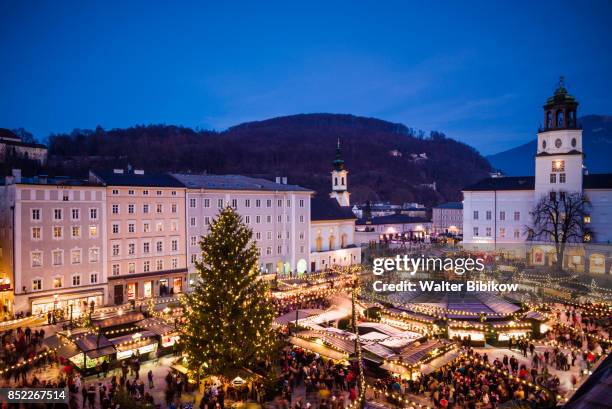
338	162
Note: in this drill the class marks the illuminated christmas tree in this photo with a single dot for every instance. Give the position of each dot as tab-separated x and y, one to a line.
228	316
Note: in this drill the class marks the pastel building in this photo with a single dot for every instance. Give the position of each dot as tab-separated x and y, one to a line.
277	212
52	243
145	241
447	218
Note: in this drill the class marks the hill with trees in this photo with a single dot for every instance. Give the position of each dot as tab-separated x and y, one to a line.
386	161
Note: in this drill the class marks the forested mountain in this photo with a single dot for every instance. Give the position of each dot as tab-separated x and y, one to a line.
386	161
596	141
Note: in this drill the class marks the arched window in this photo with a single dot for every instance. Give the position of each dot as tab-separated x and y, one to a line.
342	180
549	123
571	119
319	243
335	181
343	240
332	242
560	119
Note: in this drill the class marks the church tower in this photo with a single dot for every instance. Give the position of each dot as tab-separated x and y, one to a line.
559	156
340	179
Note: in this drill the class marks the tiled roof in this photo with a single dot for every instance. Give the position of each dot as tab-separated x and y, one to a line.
598	181
504	183
233	182
323	207
391	219
110	178
450	205
592	181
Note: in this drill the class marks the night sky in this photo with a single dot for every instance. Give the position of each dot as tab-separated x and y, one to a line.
477	70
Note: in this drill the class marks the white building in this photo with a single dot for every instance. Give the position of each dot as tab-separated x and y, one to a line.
332	226
496	211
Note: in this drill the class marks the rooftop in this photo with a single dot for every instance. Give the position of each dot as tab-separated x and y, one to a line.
593	181
391	219
323	207
136	178
450	205
234	182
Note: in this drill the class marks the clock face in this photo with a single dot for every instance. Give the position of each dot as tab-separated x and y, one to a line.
558	143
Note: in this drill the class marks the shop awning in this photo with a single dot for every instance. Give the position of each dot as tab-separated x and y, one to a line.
156	326
319	349
118	320
96	353
92	342
63	348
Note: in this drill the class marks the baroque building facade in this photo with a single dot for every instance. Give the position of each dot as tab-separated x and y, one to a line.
498	211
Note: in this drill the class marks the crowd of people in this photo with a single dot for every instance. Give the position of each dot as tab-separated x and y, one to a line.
470	381
326	385
18	346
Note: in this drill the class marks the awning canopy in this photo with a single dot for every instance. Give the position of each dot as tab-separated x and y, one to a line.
118	320
157	327
319	349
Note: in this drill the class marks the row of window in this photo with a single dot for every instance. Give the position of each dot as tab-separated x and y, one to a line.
36	215
193	203
146	266
146	248
146	208
502	232
193	222
553	178
144	192
58	281
57	232
146	226
502	215
269	251
57	257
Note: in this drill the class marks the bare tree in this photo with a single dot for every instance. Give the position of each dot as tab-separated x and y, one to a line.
560	218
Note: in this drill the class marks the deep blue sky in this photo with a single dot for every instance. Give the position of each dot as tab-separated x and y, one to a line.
477	70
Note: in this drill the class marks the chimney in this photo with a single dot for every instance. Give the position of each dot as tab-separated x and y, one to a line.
138	172
17	175
278	179
118	171
284	180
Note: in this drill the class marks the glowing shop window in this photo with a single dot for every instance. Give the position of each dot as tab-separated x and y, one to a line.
131	291
148	289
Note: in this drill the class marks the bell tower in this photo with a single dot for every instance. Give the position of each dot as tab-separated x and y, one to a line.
559	156
339	177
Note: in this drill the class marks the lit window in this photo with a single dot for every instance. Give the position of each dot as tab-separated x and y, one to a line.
587	219
36	233
58	232
93	231
57	282
558	166
131	268
76	231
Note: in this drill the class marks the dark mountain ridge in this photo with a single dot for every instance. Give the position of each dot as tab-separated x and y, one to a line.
378	154
596	141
